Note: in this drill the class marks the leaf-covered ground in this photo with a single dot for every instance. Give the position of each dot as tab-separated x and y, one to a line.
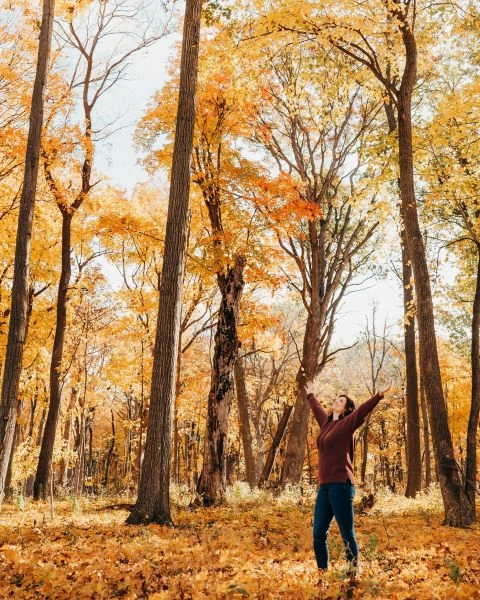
253	548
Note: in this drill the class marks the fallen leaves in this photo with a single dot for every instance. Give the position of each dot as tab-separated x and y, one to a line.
255	550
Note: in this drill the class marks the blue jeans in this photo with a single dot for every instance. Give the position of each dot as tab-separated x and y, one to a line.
334	500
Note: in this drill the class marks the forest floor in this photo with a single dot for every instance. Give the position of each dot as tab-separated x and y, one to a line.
256	547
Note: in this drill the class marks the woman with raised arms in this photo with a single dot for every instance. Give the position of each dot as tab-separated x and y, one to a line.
335	471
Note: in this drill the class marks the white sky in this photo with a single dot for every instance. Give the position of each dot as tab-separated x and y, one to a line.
116	157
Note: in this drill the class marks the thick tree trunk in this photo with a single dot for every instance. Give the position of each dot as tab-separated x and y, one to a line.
19	300
277	440
244	422
153	502
472	431
212	484
413	449
458	510
40	486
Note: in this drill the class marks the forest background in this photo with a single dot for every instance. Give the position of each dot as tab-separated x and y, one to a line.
332	171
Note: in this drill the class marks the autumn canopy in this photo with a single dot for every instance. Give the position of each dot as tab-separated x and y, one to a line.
203	207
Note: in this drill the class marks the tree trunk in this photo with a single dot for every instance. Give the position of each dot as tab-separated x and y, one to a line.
40	485
426	438
212	483
67	435
363	470
243	416
176	440
472	431
80	466
110	452
413	450
277	440
20	287
16	440
153	502
458	510
296	443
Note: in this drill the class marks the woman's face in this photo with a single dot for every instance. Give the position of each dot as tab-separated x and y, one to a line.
339	404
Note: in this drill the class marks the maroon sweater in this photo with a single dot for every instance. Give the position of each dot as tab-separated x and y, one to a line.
335	441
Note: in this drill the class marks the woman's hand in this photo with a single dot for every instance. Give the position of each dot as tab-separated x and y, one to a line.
383	390
309	387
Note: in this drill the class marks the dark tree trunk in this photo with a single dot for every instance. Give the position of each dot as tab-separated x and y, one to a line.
40	486
426	437
212	483
153	502
472	431
176	440
67	435
363	470
244	420
110	452
80	444
458	510
277	440
296	442
413	449
20	288
16	439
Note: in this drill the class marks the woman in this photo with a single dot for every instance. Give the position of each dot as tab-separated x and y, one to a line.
335	471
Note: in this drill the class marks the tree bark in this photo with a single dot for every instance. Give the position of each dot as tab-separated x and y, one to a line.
19	300
413	450
153	502
67	435
363	468
40	485
458	510
277	440
213	479
295	451
472	431
426	437
244	421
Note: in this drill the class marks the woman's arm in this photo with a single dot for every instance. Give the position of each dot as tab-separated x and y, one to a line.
359	415
317	409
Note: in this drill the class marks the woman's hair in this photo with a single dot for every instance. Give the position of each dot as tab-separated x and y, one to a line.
349	407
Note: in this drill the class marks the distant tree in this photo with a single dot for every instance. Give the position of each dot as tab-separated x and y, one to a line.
20	288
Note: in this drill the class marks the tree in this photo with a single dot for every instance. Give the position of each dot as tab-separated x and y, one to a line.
19	302
94	78
450	167
414	460
311	131
228	184
366	37
153	501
